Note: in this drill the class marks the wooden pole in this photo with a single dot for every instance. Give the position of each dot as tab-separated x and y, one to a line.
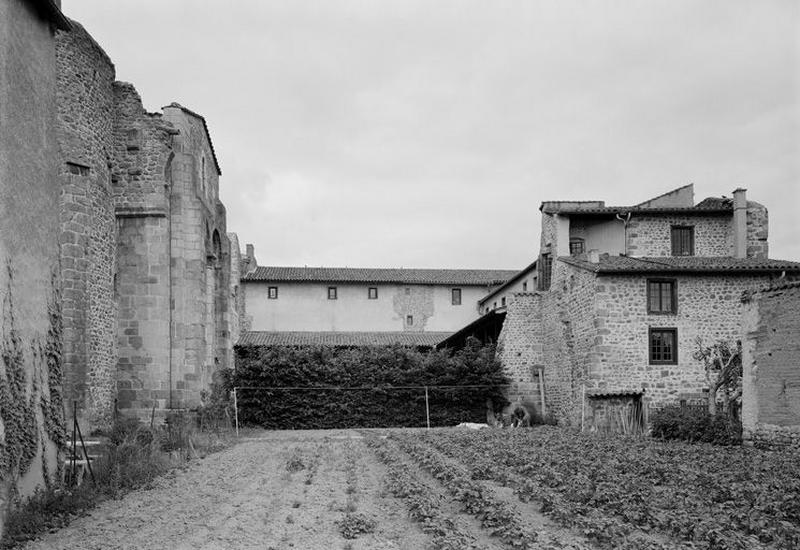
583	406
541	391
427	408
236	412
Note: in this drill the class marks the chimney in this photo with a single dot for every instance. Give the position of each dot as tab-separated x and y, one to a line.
594	256
250	251
739	223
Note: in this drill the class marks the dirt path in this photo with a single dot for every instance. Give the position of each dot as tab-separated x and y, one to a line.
277	490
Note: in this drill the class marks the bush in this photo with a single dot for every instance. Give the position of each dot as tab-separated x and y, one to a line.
377	372
695	425
136	455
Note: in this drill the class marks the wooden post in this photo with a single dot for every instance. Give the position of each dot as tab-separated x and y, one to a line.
236	412
583	406
427	408
541	391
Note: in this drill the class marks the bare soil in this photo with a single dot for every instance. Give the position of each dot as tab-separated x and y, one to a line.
279	490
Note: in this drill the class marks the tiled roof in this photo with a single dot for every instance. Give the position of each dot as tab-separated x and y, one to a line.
379	275
613	393
701	209
510	282
681	264
342	339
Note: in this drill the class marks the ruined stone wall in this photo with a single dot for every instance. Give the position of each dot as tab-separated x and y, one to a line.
709	307
651	235
142	145
757	231
30	322
200	261
771	370
88	231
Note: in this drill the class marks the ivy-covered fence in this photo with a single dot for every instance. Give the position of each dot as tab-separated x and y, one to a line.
364	387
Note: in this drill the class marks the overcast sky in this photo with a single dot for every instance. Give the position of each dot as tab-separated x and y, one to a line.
425	134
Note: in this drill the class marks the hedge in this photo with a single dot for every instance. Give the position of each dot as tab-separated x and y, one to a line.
695	426
381	369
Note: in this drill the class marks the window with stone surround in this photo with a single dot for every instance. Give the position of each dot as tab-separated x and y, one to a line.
331	293
663	346
682	240
455	296
576	246
372	293
409	320
545	271
662	296
272	293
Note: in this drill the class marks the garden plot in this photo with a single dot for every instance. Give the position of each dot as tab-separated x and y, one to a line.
448	489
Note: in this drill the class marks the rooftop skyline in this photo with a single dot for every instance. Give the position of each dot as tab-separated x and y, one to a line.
421	135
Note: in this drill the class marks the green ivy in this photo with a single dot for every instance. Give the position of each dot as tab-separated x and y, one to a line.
16	407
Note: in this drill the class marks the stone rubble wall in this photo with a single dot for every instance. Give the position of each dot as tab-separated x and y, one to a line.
709	307
771	369
88	230
757	231
651	235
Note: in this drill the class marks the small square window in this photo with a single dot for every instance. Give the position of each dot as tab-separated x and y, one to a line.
409	320
682	240
331	293
455	297
663	346
503	301
272	293
372	293
576	246
525	286
662	296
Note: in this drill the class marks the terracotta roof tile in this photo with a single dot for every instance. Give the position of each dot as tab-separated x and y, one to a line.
342	339
380	275
682	264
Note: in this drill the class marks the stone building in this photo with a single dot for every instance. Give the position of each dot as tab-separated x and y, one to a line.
770	371
31	412
624	292
358	301
146	260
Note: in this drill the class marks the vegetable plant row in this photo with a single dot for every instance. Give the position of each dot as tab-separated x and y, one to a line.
641	493
423	505
498	518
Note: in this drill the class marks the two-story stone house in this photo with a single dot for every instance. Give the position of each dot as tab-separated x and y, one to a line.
625	292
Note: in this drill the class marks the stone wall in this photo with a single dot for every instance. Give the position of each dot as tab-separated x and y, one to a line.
651	235
88	232
570	334
757	231
200	253
709	307
520	347
771	369
30	323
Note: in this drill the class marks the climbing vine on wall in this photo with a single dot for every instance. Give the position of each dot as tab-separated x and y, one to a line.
53	403
17	409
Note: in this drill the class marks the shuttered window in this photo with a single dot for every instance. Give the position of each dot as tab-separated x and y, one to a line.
682	240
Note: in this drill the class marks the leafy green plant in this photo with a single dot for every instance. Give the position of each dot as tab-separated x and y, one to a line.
376	372
695	425
354	525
